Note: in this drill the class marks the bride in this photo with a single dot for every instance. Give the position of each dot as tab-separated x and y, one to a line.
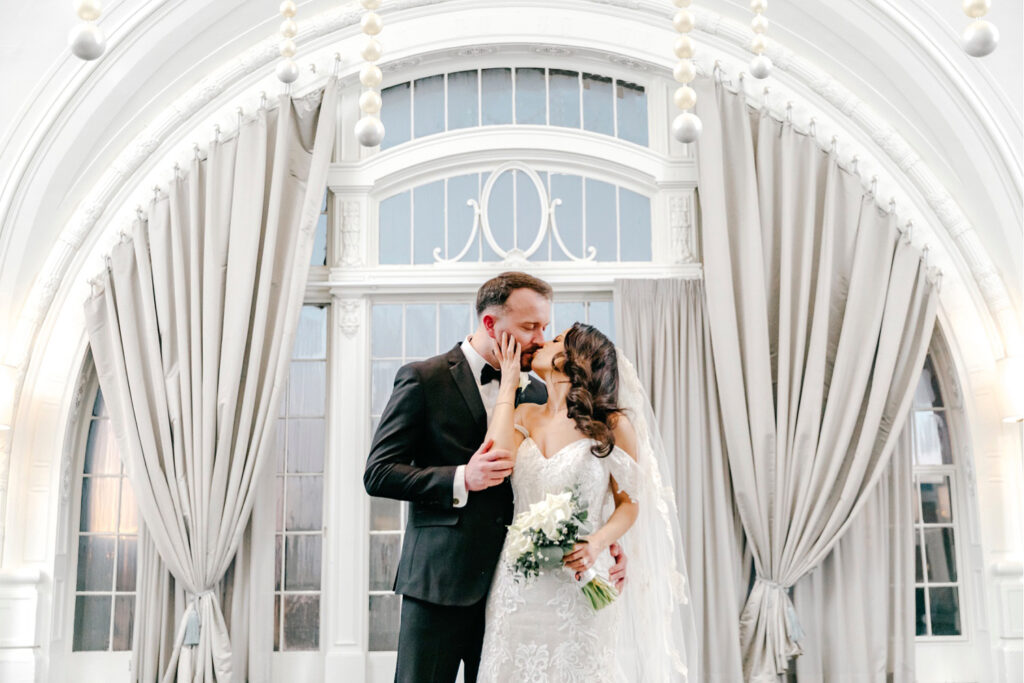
596	434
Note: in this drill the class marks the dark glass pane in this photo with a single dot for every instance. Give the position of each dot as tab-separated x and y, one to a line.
395	229
428	108
463	100
496	94
302	562
601	224
635	224
306	445
940	551
311	337
427	221
277	623
420	330
92	623
936	504
631	108
932	447
278	560
384	550
127	563
124	617
95	563
99	503
598	100
928	393
531	97
101	450
304	503
385	514
945	604
396	115
568	215
461	215
301	622
921	620
384	618
918	558
307	388
564	98
387	331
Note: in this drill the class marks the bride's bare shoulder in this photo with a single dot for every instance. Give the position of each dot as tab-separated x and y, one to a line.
625	435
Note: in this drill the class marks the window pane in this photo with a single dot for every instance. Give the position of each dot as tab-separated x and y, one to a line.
527	210
387	331
601	219
92	622
499	213
126	563
319	255
95	563
598	115
311	337
569	215
917	503
301	622
307	389
124	617
932	446
496	93
921	621
463	102
384	552
945	604
928	394
302	555
384	616
531	97
631	106
395	229
99	406
304	503
935	500
941	555
395	115
385	514
420	330
428	221
461	215
277	623
129	521
101	450
564	98
456	322
306	445
383	380
278	559
428	105
99	503
918	558
565	313
635	223
601	317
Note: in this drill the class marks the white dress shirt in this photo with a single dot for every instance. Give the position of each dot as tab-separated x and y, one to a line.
489	397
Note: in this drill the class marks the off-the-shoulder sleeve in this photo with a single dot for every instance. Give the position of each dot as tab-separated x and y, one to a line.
625	471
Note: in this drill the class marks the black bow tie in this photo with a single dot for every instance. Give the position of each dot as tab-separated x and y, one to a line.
489	374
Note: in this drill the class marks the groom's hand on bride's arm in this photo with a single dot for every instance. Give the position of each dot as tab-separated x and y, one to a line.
488	467
617	573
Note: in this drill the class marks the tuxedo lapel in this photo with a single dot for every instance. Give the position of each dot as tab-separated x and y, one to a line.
464	380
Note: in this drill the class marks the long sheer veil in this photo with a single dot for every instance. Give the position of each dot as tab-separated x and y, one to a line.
658	633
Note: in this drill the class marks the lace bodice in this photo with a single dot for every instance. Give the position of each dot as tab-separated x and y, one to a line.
544	629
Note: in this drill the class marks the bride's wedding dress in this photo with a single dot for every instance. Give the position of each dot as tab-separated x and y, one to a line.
544	629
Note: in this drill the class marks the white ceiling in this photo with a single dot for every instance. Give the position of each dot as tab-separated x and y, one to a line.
962	116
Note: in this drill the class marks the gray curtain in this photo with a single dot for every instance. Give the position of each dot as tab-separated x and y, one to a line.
191	329
820	316
661	325
857	607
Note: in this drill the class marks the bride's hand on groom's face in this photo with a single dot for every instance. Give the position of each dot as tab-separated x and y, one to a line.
509	352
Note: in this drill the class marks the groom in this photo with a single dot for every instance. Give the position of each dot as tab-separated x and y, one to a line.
428	450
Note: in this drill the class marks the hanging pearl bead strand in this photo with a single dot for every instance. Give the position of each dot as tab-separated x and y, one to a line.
686	127
760	64
369	130
87	40
981	37
287	68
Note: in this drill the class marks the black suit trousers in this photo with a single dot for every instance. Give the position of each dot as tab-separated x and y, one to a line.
433	639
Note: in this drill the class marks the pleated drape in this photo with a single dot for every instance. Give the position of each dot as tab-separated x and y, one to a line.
820	316
191	330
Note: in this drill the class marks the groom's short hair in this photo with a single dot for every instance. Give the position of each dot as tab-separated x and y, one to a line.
497	290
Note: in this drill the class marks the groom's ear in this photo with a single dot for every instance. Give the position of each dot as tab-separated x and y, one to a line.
488	321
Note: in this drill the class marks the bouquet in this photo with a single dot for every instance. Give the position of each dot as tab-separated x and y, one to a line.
539	538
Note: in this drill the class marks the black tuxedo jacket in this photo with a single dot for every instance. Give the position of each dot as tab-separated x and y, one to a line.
433	423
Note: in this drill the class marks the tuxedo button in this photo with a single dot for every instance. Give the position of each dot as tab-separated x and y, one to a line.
456	502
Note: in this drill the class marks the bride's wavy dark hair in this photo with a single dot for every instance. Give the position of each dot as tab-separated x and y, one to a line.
590	363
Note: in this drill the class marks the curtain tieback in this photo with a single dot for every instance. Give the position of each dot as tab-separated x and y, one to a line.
793	628
193	623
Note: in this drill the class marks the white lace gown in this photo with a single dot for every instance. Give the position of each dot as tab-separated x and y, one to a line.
544	629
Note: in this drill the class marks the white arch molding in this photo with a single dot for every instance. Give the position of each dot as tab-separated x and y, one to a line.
50	332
